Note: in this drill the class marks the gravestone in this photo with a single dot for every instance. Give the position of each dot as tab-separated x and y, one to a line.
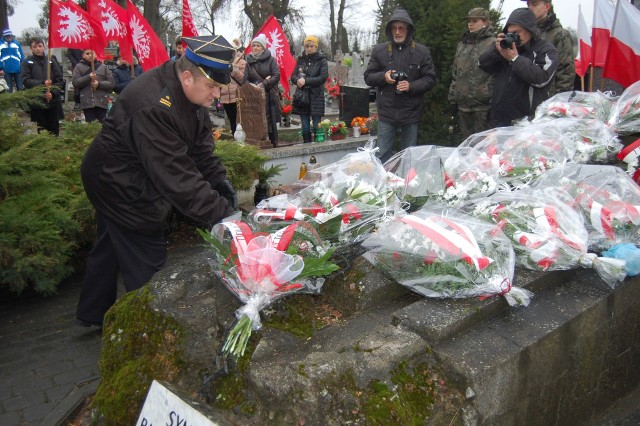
339	72
356	73
252	114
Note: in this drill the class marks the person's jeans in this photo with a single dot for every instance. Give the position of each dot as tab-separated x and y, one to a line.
387	138
10	78
305	123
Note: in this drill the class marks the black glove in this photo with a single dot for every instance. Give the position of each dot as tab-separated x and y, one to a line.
225	190
454	110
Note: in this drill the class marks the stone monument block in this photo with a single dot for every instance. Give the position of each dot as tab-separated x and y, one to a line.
252	114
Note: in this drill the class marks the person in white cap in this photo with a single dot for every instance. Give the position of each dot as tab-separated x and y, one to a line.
263	71
155	153
11	57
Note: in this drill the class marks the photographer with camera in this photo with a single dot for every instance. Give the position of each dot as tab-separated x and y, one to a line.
523	66
402	72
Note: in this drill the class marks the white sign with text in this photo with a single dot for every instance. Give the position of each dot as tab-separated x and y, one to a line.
164	408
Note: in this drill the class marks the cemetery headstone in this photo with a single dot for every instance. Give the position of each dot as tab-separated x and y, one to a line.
252	114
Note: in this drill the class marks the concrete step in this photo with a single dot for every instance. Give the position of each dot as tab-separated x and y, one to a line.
562	360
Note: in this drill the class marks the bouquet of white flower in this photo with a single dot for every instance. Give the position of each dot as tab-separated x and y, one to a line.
344	200
586	140
259	269
442	252
430	173
625	115
575	105
607	197
520	153
546	232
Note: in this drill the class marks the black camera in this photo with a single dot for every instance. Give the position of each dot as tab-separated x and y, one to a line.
399	76
509	39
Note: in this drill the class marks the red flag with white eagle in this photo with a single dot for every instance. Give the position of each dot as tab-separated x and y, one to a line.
72	27
148	46
113	19
603	12
188	27
623	55
584	45
279	47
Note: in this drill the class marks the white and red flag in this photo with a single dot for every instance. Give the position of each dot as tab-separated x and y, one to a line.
280	49
584	45
72	27
113	19
148	46
188	27
623	55
603	11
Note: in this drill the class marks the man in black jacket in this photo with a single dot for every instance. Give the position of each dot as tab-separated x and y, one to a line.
34	74
153	154
402	71
523	69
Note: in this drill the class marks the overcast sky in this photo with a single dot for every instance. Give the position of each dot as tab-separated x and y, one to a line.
567	11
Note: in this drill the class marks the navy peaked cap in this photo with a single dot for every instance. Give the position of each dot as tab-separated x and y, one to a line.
213	54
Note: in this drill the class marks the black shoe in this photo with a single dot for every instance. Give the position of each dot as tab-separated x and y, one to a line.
84	323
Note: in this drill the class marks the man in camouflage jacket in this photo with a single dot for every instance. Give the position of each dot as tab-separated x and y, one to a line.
551	30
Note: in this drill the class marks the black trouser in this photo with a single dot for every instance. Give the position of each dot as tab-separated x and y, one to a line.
116	250
95	113
47	119
232	114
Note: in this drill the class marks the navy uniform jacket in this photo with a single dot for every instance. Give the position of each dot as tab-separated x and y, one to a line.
154	152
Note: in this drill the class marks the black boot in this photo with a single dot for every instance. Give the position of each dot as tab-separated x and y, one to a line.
306	137
274	140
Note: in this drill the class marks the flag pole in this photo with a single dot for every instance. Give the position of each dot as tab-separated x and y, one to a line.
591	70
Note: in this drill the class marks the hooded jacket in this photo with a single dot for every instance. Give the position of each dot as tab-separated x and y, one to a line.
11	55
154	152
520	86
409	57
471	87
551	30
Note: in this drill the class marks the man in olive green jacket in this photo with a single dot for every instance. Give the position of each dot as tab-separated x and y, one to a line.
552	31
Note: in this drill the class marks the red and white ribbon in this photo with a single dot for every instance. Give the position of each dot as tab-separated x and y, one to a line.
458	240
630	153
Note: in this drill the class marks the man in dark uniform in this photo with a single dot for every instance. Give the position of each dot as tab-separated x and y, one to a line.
154	153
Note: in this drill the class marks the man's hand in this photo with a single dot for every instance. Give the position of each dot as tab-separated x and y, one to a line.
387	77
508	54
225	190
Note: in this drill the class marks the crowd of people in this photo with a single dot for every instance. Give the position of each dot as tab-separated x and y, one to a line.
154	153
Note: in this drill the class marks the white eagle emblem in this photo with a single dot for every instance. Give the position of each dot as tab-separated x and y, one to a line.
141	40
111	25
275	45
73	27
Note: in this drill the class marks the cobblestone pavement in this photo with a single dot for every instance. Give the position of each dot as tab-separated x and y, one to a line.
47	363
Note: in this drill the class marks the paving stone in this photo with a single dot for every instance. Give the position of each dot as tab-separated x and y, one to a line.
32	385
75	376
12	418
23	401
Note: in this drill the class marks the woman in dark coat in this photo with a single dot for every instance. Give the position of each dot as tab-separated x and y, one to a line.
310	74
263	71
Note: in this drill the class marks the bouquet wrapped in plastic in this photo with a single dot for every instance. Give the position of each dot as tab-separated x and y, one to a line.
586	140
546	232
519	154
450	175
607	197
344	201
259	269
575	105
625	115
442	252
